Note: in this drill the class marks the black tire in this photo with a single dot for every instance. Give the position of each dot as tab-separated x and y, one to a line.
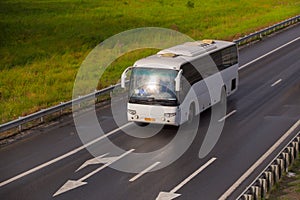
141	124
223	97
191	114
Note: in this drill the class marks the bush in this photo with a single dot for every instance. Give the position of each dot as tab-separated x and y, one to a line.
190	4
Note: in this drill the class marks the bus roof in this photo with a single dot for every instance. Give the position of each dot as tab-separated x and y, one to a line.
174	57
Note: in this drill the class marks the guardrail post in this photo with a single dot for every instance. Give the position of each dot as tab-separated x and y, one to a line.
61	110
247	197
258	190
275	170
291	154
42	118
298	139
256	193
79	104
263	185
296	146
280	164
286	161
269	179
20	126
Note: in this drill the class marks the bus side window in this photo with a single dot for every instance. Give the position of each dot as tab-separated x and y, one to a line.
233	55
217	58
184	88
226	58
190	72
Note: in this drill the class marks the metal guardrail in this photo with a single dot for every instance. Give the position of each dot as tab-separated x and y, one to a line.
266	31
66	105
58	108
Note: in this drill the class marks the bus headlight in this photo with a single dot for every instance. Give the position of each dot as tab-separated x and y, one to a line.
132	112
168	115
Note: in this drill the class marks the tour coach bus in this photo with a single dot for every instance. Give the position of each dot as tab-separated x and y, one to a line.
177	83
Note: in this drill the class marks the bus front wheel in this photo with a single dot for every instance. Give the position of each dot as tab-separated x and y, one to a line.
141	124
191	114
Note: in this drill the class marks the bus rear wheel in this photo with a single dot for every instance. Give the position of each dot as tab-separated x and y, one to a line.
223	98
191	114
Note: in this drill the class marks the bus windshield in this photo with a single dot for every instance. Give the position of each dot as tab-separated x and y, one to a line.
153	86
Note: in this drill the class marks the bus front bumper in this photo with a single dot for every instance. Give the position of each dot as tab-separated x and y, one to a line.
153	114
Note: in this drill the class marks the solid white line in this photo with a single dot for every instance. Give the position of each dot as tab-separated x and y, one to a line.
249	63
258	162
60	157
192	175
278	81
143	172
228	115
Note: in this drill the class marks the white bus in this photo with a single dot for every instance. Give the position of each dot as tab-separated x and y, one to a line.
177	83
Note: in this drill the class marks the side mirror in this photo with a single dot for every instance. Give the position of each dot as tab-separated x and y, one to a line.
177	81
123	77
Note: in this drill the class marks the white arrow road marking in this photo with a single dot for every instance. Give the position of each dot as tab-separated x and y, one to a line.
70	153
172	194
167	196
278	81
143	172
97	160
228	115
70	184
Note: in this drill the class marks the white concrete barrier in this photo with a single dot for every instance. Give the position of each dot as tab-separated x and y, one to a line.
263	185
275	169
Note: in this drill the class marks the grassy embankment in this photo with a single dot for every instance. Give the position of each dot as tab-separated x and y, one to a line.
42	43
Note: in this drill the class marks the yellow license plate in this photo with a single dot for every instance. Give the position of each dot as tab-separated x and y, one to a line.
149	119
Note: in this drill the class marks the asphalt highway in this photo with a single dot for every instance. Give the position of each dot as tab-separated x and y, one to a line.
44	164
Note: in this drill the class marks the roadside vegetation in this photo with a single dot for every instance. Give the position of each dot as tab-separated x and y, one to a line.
43	42
289	186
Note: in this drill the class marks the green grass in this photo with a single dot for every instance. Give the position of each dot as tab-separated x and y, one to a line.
43	42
